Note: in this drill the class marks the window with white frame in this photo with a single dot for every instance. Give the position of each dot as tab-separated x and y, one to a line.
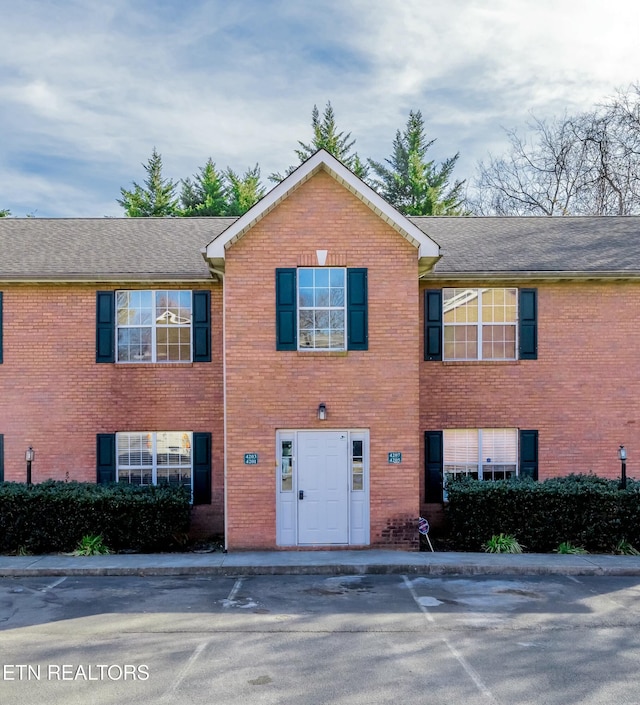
152	458
480	324
484	454
321	308
153	326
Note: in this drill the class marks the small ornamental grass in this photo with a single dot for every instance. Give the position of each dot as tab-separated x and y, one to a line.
624	548
91	546
502	543
568	547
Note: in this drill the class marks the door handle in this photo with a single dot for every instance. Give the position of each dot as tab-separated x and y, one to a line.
301	494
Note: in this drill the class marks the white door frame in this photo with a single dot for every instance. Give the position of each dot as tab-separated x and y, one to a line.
287	498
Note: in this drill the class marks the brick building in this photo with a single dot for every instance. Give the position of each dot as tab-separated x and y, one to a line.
314	369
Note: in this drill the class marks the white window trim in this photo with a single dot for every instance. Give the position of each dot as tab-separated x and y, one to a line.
480	462
154	456
468	295
154	327
342	308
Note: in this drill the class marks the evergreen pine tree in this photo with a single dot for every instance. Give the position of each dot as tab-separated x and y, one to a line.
158	198
205	195
326	136
243	191
412	184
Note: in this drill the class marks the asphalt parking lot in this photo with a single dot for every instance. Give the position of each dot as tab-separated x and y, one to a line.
320	639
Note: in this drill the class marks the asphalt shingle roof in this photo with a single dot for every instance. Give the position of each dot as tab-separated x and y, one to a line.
80	248
156	248
582	244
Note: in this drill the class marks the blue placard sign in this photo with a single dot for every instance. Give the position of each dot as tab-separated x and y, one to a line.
250	458
395	458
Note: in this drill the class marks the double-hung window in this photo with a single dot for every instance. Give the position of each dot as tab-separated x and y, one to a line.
321	309
147	326
484	454
153	326
153	458
480	324
464	324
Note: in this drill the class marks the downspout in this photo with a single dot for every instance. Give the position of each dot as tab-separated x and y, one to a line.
220	273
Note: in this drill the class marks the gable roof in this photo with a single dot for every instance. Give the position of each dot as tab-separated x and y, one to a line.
106	249
535	246
428	250
169	249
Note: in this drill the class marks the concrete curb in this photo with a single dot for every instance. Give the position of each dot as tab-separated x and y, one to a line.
318	563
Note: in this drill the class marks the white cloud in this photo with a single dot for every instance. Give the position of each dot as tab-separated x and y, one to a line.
89	88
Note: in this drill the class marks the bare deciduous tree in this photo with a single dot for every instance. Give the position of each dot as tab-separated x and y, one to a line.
585	164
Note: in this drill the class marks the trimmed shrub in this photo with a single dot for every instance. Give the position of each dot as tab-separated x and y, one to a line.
584	510
54	516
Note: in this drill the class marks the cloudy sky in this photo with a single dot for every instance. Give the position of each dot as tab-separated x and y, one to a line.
89	87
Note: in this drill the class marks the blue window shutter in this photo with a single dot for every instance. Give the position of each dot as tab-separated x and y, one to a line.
433	465
286	309
357	314
0	327
528	322
106	458
201	326
105	326
202	468
1	458
433	324
529	454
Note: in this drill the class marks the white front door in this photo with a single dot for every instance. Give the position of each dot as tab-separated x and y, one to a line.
323	487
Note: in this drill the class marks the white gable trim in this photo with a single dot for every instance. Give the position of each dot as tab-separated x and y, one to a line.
322	160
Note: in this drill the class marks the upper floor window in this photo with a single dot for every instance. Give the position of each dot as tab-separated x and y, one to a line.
321	309
480	324
153	326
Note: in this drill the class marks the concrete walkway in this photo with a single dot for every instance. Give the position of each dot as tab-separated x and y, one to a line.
319	562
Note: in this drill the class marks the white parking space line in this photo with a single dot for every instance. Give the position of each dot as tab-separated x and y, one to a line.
55	583
185	670
231	598
469	669
416	599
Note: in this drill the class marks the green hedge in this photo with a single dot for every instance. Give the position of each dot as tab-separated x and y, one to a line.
586	510
54	516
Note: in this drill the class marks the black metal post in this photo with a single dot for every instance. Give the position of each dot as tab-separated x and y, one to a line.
622	457
29	456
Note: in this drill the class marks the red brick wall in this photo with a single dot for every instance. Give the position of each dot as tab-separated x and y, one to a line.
269	390
56	398
581	394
